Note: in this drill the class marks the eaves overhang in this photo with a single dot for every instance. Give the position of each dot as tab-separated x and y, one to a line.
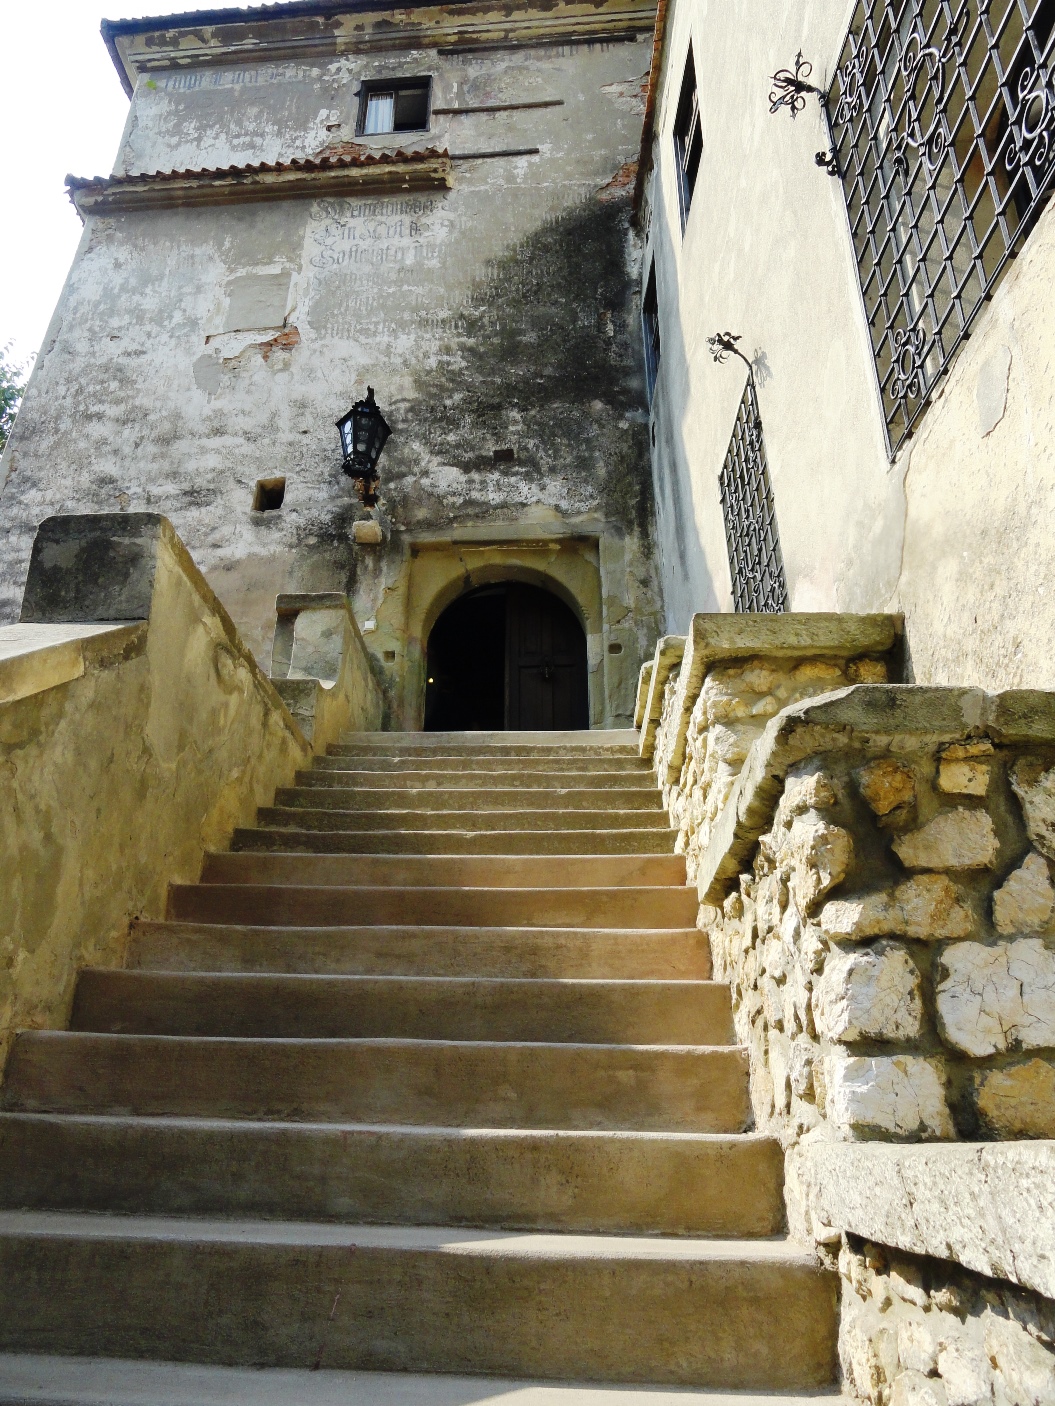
383	173
319	28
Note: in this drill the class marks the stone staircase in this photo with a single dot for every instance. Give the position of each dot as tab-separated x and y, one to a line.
426	1076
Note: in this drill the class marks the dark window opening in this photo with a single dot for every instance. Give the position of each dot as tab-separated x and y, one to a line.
268	494
688	138
650	319
756	565
506	657
394	107
943	126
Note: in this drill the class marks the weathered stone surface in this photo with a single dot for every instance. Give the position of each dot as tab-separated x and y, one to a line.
1035	788
963	778
954	839
899	1094
928	908
912	1388
887	784
816	856
998	998
1027	898
116	782
1018	1102
1024	1368
869	994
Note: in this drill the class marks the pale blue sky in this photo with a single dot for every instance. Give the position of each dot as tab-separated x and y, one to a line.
62	108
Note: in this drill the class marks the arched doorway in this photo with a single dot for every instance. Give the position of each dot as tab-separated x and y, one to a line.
506	656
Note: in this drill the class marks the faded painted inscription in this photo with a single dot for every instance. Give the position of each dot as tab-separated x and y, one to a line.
403	231
223	78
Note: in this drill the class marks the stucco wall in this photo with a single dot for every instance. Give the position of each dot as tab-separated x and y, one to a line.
953	532
498	315
118	780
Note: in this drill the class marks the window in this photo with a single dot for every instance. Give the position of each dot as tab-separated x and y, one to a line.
650	321
688	138
943	127
394	107
756	565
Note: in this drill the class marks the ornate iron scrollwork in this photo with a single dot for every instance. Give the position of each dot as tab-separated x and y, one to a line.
790	89
1031	122
828	161
723	346
907	380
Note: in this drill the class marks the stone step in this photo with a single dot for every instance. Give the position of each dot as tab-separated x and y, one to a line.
282	1294
620	1183
456	775
332	840
557	953
322	809
461	797
647	1088
596	762
29	1379
468	871
589	741
402	1007
277	905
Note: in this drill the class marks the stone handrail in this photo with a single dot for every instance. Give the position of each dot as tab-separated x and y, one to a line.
136	731
322	669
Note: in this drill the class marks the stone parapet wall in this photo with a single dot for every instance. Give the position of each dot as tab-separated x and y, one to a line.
889	945
916	1331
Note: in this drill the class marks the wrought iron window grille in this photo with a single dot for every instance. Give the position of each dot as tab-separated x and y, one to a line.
650	329
756	565
942	122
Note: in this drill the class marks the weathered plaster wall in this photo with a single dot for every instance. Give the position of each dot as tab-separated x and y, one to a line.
953	531
116	781
197	350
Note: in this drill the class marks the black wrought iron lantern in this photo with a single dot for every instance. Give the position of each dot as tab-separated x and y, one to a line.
364	431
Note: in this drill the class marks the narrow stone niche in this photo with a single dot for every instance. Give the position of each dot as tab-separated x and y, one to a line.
268	495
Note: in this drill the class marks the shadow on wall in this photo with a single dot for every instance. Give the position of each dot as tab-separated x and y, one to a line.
687	583
537	381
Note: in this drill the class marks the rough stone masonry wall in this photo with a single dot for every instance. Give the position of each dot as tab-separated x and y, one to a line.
921	1332
890	950
881	901
734	705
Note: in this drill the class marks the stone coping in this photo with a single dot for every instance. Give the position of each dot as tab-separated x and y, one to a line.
715	638
862	715
987	1206
36	657
668	656
644	678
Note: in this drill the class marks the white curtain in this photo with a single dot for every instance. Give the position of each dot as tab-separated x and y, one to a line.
380	113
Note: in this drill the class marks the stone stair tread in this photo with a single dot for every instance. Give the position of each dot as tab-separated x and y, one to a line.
463	1007
443	871
457	1083
291	838
36	1380
315	904
442	1239
421	950
674	1184
477	818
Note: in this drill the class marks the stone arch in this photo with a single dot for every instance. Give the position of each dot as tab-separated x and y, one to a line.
441	572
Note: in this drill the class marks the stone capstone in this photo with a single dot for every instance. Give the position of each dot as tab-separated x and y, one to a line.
1019	1101
999	998
871	994
927	908
887	784
954	839
900	1094
1027	898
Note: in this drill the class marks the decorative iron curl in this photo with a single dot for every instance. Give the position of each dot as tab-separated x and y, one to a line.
789	89
723	346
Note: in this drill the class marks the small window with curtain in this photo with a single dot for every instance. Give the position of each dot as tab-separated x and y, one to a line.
650	321
688	138
394	107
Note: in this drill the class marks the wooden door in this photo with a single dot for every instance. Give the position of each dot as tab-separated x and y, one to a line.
546	678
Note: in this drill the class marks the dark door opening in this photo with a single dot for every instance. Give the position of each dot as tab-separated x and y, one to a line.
506	657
